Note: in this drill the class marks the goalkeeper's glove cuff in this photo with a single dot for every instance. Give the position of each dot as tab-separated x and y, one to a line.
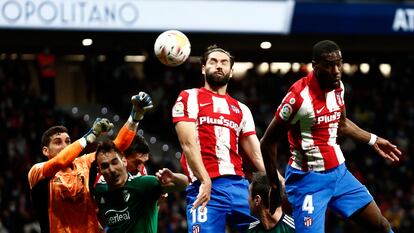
131	120
90	136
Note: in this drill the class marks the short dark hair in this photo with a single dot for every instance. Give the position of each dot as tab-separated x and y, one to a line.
139	144
47	135
324	46
215	48
105	147
261	187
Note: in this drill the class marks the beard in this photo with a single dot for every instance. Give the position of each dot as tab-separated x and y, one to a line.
216	80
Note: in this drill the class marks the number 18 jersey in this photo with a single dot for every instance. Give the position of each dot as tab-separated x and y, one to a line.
220	121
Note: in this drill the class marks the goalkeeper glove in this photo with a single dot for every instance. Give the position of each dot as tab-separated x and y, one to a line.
140	104
101	125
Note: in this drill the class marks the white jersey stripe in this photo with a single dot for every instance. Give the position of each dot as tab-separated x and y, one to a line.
223	150
222	134
331	103
192	103
314	156
220	105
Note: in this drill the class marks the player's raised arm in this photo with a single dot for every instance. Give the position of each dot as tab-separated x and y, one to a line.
67	155
141	103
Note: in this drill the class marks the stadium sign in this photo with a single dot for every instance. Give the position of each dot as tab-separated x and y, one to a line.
353	18
67	14
148	15
403	20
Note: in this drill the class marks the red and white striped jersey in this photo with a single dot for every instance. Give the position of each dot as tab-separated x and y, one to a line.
314	117
220	121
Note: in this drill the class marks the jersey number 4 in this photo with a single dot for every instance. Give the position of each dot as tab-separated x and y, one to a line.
198	215
308	204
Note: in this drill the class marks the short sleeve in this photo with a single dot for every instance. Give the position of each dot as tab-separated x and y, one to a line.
35	174
248	126
289	107
186	106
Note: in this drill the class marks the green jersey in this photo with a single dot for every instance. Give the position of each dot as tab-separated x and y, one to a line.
132	208
285	225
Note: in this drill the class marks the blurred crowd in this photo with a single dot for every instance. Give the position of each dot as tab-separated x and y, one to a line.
383	105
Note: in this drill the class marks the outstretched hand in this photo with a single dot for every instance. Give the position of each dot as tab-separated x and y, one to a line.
100	125
140	104
165	175
386	149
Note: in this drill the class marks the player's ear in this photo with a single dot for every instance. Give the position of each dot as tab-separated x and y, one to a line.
231	72
257	200
313	63
203	69
45	151
124	161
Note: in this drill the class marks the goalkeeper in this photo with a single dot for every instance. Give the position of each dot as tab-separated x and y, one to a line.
59	186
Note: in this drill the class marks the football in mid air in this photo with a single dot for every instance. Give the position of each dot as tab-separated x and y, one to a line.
172	48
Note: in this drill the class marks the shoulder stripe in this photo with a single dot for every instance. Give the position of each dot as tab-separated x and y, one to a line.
253	224
289	221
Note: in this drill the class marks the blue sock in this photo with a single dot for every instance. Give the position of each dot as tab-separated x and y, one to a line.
391	230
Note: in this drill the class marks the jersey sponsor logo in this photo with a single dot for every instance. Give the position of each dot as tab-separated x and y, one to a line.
178	110
307	221
118	216
218	121
285	112
329	118
204	104
292	100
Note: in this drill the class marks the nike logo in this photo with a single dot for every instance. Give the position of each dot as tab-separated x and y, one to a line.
319	110
202	105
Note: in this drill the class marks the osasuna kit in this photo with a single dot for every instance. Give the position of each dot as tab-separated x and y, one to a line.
220	122
132	208
285	225
316	176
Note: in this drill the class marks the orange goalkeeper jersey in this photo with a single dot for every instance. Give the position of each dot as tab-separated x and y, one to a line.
61	199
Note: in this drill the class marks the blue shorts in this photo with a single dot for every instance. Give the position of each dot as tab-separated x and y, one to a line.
310	193
229	203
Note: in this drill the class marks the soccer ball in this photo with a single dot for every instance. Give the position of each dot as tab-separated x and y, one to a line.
172	48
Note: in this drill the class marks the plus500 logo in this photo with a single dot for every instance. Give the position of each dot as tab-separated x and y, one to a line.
218	121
